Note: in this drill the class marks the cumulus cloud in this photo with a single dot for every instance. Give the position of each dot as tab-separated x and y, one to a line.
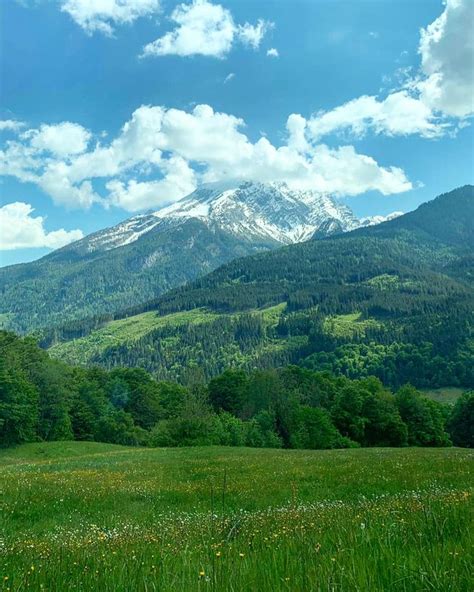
207	29
179	180
20	230
104	15
161	154
63	139
447	60
273	53
10	125
397	114
427	103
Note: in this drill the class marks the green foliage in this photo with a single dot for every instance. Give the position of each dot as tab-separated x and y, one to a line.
292	407
461	423
423	418
314	429
18	407
227	391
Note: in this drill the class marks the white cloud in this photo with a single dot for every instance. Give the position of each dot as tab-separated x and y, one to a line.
179	180
10	125
56	181
447	59
63	139
207	29
252	35
426	104
398	114
103	15
161	154
229	77
273	53
20	230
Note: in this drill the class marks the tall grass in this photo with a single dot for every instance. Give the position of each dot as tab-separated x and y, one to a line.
106	518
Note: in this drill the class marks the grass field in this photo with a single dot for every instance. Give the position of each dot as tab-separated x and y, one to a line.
86	516
447	394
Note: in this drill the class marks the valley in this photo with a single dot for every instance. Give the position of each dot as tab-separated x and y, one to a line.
236	296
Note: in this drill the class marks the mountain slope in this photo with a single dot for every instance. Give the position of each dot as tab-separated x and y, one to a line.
147	255
381	300
448	219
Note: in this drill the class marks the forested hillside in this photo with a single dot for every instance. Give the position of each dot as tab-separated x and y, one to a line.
291	407
393	301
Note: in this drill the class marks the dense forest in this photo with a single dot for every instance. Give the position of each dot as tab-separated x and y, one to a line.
43	399
393	301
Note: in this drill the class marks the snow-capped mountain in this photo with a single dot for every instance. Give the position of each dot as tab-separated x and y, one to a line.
373	220
143	257
265	213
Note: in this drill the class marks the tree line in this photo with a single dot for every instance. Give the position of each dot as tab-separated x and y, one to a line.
291	407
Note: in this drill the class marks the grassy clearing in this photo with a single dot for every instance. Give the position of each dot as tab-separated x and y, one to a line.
349	326
447	394
84	516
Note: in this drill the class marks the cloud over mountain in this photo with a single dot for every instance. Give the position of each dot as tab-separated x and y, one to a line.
161	155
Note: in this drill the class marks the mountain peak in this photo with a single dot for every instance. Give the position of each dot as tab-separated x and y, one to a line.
266	212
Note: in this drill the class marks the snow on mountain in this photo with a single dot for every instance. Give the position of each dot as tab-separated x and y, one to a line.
264	213
123	234
269	212
373	220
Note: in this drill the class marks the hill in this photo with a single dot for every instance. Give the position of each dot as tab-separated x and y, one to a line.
393	300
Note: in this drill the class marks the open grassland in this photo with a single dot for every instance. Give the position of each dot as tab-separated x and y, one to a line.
86	516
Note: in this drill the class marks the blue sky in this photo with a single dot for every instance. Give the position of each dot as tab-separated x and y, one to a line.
352	99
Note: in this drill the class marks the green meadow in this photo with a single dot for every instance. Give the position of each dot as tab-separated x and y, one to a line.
89	516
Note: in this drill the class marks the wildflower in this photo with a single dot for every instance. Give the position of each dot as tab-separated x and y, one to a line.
202	573
218	554
241	554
